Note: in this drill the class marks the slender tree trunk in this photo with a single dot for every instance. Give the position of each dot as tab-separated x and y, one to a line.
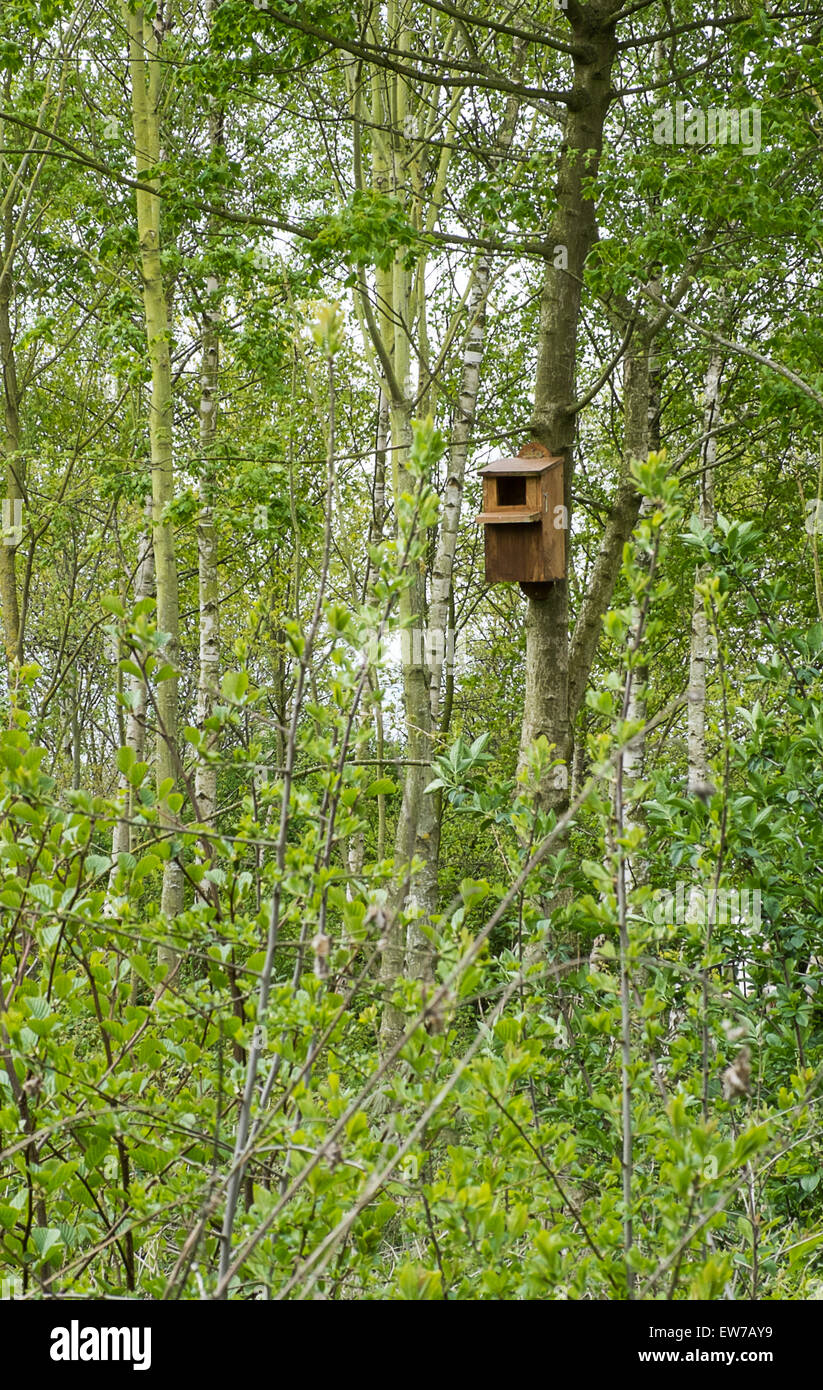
14	480
463	429
441	606
355	851
378	526
427	846
417	709
135	731
208	586
396	313
412	604
700	639
145	90
641	406
641	398
557	666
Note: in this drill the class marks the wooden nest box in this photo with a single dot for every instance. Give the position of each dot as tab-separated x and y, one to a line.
524	518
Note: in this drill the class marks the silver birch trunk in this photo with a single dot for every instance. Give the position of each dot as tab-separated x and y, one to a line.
641	405
439	636
144	68
135	731
205	781
355	850
699	654
443	568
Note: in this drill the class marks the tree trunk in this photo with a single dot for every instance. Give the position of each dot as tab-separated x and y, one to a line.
427	846
440	636
205	783
355	851
641	396
145	83
546	706
395	303
700	642
443	568
14	481
135	731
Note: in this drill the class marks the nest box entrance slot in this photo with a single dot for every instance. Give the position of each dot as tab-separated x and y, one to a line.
511	492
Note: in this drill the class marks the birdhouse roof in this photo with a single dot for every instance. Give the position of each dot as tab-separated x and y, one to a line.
500	467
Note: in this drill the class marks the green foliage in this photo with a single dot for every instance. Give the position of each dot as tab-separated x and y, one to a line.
548	964
369	230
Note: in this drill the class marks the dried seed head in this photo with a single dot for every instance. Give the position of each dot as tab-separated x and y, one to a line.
376	913
737	1077
321	945
595	958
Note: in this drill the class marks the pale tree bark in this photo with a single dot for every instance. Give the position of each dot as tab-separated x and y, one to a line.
394	152
412	605
356	847
427	839
443	568
641	404
599	590
442	574
419	819
417	710
700	648
441	605
812	527
699	784
205	780
379	524
412	602
402	135
14	480
135	730
145	73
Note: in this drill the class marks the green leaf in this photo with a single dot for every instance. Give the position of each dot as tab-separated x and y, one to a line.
234	686
45	1239
125	759
384	786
